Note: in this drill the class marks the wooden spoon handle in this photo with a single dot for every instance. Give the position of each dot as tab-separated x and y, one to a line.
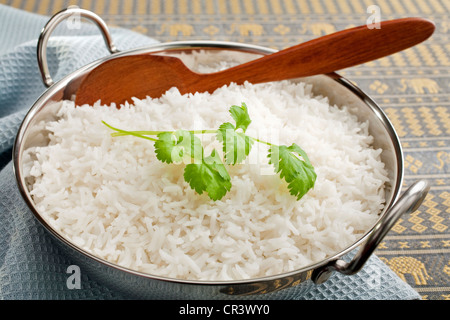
327	54
119	79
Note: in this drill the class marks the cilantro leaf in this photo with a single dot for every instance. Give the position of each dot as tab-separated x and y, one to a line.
178	146
236	145
240	115
294	166
210	176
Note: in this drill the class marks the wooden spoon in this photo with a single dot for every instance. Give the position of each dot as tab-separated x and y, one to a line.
119	79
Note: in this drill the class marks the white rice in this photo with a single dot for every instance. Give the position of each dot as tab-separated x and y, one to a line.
113	198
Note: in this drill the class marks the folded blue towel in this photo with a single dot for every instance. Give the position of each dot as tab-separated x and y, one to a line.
31	266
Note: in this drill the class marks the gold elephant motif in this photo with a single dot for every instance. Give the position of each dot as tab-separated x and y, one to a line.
246	29
418	85
176	28
318	28
408	265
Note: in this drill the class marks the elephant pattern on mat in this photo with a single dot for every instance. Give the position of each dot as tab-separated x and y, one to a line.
408	265
176	29
318	28
246	29
419	85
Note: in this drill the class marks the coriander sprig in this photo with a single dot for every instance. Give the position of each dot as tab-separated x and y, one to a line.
209	174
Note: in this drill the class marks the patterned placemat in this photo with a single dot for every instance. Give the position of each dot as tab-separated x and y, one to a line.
412	87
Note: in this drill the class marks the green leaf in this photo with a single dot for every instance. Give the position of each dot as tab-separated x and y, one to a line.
240	115
236	145
178	146
294	166
209	176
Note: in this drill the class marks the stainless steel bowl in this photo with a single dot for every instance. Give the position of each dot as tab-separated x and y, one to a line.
291	284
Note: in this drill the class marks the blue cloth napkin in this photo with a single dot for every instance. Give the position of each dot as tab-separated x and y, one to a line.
31	266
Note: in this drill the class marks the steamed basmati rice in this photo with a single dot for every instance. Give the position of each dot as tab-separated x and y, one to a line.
113	198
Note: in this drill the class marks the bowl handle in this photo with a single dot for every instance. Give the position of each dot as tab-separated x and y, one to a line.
409	202
72	11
